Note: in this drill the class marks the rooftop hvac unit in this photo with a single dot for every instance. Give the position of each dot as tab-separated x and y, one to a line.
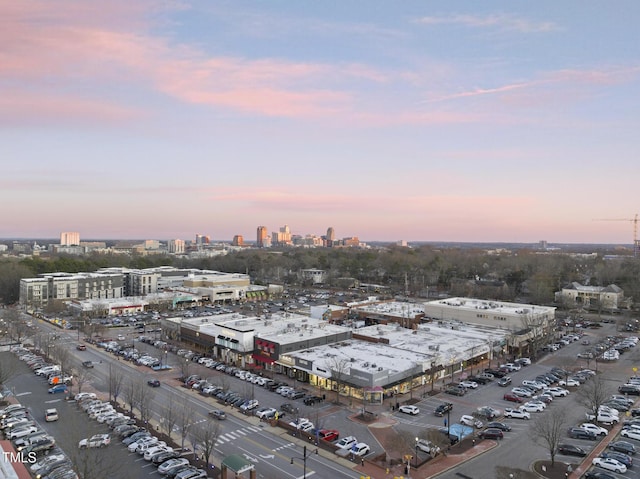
366	365
374	366
380	368
353	360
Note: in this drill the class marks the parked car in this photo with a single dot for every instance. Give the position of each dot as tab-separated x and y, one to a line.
623	446
328	434
499	425
154	383
428	447
512	398
578	433
97	440
618	456
516	414
346	442
631	433
360	449
571	450
58	388
471	421
504	381
609	464
469	384
491	433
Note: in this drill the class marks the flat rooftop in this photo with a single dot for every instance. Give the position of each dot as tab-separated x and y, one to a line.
471	304
396	309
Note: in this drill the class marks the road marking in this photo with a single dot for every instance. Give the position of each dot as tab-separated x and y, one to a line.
310	473
52	401
23	394
269	456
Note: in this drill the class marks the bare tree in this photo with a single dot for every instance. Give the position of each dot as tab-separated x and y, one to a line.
207	433
185	421
17	328
594	393
185	367
548	429
339	367
131	395
116	380
81	377
169	416
145	401
63	357
8	367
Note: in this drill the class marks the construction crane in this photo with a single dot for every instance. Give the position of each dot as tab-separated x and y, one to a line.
634	220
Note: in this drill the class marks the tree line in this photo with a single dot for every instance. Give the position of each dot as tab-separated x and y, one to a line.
420	272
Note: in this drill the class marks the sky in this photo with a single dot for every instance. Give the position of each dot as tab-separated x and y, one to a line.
466	121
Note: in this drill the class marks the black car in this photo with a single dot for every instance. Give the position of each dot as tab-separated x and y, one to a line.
629	390
618	456
310	400
599	475
496	372
154	383
491	433
635	412
443	408
289	408
571	450
499	425
578	433
479	379
453	439
87	364
623	446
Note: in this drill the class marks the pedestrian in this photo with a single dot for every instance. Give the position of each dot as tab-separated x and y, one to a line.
362	462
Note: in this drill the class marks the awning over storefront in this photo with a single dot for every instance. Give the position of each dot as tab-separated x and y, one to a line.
263	359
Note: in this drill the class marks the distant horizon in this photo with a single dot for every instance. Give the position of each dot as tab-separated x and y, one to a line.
55	240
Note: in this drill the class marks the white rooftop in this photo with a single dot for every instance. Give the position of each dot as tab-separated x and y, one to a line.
495	306
396	309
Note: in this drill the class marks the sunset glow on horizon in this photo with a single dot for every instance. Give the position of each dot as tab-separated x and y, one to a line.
463	122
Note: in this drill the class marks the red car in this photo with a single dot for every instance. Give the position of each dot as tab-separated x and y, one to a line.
512	398
328	434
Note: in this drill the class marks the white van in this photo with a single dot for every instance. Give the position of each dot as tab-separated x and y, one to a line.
51	415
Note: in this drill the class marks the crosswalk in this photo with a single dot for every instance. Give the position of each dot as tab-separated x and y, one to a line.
237	434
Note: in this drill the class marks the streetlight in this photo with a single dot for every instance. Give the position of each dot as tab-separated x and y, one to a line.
304	460
417	452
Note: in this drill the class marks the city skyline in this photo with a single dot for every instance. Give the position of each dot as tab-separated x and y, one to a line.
465	122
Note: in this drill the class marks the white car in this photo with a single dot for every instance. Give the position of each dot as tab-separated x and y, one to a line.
266	412
346	442
516	414
360	449
471	421
569	382
557	392
409	409
609	464
604	418
469	384
531	407
46	461
83	396
631	433
428	447
98	440
597	430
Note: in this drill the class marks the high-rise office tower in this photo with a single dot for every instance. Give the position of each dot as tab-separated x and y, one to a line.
331	236
176	246
261	236
69	239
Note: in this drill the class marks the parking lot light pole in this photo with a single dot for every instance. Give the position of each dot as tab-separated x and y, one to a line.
416	453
